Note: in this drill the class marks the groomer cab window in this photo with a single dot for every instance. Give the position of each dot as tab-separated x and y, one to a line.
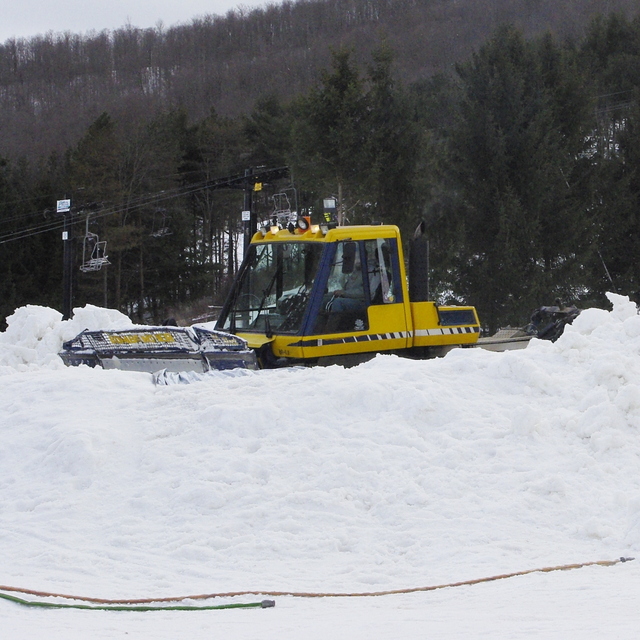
273	290
361	274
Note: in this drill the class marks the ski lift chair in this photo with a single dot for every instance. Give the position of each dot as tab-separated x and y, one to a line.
160	224
282	213
94	253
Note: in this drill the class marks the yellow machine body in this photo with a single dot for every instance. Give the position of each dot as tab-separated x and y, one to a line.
292	300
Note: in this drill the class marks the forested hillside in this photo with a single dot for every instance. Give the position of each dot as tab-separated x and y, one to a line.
53	86
512	130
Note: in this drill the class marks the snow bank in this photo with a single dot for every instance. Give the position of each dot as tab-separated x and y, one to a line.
35	334
395	473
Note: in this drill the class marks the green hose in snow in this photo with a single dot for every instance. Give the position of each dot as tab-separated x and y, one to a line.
264	604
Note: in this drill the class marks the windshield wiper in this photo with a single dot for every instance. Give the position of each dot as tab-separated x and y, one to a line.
265	295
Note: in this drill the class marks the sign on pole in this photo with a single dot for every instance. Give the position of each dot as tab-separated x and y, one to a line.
63	206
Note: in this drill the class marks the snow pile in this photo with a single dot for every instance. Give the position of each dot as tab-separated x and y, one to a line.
393	474
34	334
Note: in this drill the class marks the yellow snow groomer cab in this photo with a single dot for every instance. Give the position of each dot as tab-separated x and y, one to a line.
322	295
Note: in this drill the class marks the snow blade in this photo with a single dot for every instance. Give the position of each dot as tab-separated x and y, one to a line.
160	349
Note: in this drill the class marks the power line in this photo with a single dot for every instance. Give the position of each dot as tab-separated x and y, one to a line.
238	181
132	205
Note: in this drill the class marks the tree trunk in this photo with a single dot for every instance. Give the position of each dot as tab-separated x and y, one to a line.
141	302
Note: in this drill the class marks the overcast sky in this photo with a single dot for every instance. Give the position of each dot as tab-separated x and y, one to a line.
25	18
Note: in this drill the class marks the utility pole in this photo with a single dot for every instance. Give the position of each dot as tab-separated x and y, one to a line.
248	214
252	180
63	208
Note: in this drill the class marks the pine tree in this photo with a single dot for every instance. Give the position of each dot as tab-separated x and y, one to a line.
329	136
268	132
511	163
391	146
611	53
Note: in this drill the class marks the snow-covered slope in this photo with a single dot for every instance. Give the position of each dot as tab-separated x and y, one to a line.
393	474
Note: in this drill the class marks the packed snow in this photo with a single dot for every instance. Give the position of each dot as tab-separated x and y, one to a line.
392	475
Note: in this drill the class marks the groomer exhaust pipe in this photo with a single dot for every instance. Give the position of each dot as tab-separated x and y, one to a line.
419	265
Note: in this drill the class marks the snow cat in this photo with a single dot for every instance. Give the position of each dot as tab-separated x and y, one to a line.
323	294
312	295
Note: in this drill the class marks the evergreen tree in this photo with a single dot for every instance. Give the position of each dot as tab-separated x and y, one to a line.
125	182
96	188
611	53
214	150
9	261
30	247
330	135
615	263
162	260
268	132
391	146
510	161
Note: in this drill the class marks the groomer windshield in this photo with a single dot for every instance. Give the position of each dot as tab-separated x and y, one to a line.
273	290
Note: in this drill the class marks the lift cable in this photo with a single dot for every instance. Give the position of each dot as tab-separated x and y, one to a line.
231	182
